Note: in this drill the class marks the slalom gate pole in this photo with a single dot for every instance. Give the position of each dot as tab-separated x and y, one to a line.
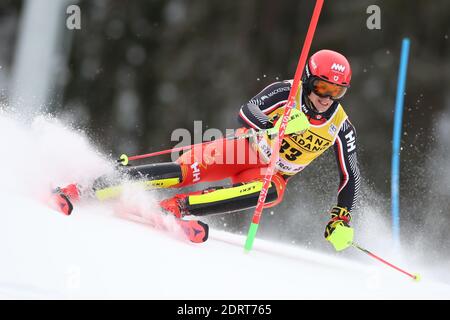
397	136
415	276
287	111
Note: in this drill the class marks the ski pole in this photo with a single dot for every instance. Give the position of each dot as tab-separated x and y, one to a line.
287	111
124	159
415	276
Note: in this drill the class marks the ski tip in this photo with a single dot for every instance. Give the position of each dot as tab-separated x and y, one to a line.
205	229
196	230
61	203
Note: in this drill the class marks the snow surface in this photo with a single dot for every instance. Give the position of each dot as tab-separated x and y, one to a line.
96	254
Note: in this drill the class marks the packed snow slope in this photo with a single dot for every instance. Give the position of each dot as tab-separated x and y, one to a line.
94	255
97	254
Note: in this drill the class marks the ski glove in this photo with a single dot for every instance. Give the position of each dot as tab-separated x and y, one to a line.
338	230
297	123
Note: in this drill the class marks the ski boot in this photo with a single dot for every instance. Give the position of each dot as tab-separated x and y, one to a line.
175	205
196	230
62	198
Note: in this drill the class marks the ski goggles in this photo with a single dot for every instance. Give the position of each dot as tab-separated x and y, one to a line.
325	89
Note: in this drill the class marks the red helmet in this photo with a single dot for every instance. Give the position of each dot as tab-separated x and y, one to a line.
330	66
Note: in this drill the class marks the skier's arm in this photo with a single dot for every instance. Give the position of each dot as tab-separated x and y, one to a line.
254	113
345	151
338	230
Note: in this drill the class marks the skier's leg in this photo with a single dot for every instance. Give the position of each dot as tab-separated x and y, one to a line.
217	200
218	160
149	176
159	175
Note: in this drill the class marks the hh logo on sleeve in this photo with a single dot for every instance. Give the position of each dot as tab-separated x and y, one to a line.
351	141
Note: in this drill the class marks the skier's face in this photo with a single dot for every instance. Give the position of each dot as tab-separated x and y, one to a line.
321	104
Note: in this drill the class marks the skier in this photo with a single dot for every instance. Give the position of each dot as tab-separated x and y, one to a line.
324	82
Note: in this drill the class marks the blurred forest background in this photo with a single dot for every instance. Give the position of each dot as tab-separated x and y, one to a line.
137	70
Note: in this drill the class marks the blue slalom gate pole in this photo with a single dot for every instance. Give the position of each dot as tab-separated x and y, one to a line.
395	169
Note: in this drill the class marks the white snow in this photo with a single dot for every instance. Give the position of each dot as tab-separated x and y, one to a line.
92	254
95	254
